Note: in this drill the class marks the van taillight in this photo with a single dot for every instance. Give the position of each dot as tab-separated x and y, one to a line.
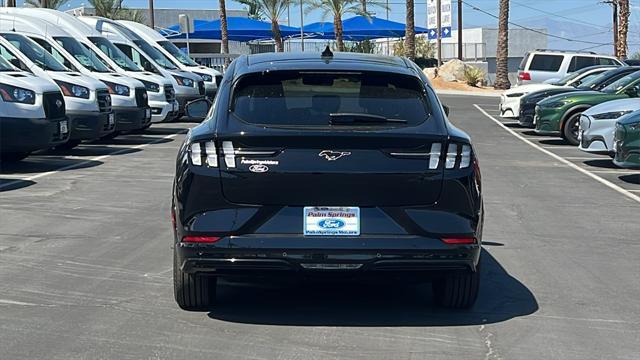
523	75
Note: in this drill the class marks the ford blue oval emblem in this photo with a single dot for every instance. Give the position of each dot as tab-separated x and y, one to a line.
331	223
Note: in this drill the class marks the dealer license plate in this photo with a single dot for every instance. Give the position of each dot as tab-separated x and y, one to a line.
147	114
64	127
175	106
331	221
112	119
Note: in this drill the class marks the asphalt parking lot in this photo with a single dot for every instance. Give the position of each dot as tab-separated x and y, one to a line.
85	264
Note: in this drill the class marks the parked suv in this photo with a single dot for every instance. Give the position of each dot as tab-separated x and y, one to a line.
541	65
314	165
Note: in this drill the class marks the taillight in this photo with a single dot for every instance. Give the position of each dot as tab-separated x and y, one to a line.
523	75
459	240
459	154
206	150
200	239
173	218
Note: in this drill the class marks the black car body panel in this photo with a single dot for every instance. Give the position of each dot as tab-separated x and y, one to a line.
406	208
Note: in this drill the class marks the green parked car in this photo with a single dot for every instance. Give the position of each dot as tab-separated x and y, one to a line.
560	114
626	141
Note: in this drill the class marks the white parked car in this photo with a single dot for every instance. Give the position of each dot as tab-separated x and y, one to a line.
540	65
510	99
210	76
598	125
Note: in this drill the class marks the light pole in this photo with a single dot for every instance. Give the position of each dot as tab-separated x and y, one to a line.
460	29
152	19
301	26
439	38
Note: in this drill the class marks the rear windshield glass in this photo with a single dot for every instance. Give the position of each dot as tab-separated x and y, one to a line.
542	62
314	98
523	63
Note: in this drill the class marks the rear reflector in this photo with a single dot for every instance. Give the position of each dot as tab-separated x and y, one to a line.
459	240
200	239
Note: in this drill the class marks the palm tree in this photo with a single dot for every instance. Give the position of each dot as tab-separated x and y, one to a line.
50	4
623	28
339	8
272	10
113	9
253	9
224	33
410	32
502	53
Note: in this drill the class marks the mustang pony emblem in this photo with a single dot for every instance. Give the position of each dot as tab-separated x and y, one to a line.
333	155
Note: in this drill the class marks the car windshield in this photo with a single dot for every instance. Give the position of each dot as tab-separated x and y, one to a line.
115	54
572	76
81	54
320	99
177	53
5	66
621	83
155	55
34	52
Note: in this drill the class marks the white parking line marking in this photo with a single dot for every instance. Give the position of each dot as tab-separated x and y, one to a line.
590	174
614	171
584	158
565	147
89	161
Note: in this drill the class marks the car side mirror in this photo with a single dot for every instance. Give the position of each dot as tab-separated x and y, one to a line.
198	109
446	109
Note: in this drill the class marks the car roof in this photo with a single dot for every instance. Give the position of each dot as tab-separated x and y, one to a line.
568	52
340	61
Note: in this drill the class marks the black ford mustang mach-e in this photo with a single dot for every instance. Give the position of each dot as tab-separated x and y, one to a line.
310	165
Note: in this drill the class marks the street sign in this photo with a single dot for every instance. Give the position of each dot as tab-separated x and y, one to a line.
445	18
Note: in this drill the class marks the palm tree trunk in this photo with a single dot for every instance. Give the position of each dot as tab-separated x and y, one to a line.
337	26
11	3
410	32
623	28
502	52
277	36
224	32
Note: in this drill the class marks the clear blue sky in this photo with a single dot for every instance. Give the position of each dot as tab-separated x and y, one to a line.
588	11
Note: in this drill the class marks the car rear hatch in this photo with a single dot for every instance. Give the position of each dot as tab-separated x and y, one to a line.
331	139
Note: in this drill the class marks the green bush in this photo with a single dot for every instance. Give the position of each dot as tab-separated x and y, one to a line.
473	75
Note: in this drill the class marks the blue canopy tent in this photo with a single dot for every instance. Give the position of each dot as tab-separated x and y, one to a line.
360	28
239	29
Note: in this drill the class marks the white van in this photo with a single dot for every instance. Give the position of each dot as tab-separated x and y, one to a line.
128	96
188	86
211	77
87	100
161	105
32	113
541	65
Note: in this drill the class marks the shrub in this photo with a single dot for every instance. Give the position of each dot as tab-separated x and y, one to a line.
473	75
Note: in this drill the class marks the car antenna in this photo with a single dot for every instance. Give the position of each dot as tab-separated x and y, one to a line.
327	52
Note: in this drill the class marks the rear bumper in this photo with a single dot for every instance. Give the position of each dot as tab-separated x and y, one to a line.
89	125
26	135
128	118
291	255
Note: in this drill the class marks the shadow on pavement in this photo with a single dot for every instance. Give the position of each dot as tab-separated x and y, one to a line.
632	179
555	142
166	131
501	298
134	140
530	133
94	149
14	184
40	164
601	163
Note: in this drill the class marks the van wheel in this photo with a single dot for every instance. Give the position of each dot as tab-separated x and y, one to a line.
13	156
457	290
570	129
193	291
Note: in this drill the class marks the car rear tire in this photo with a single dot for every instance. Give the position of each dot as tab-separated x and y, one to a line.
457	290
193	291
570	129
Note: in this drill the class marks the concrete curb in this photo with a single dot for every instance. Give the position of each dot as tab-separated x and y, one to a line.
467	93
